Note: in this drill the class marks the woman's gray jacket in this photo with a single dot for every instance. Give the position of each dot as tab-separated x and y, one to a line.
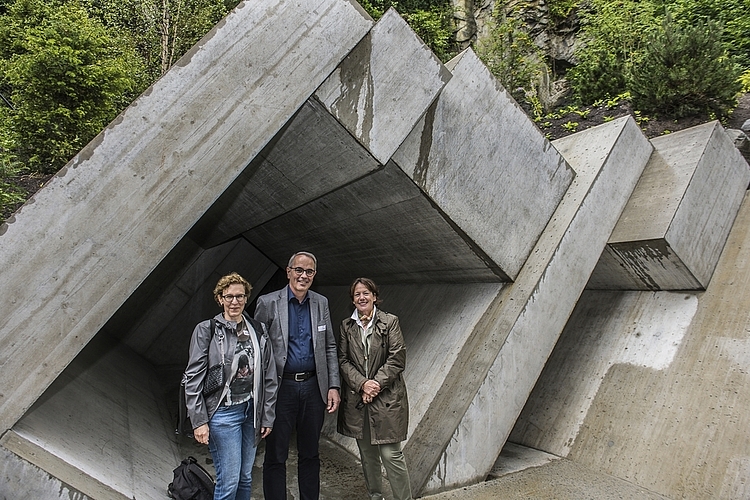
205	351
389	411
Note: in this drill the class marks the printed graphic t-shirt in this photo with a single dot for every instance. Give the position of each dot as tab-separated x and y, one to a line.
243	363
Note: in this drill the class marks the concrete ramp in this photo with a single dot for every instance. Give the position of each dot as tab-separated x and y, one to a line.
673	228
652	387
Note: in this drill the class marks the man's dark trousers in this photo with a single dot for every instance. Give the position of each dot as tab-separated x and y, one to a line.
298	405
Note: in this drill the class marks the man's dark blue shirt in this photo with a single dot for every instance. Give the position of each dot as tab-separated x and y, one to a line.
300	357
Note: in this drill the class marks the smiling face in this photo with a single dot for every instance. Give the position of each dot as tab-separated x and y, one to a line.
233	300
364	300
301	274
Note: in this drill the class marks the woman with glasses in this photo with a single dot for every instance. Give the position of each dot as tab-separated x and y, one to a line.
374	407
230	388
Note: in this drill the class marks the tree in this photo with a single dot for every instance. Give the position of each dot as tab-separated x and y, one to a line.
161	30
613	33
685	70
68	77
511	55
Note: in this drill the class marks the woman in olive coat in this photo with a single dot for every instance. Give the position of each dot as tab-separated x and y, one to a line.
374	407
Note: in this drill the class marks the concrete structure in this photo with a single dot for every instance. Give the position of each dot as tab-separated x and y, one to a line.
651	387
310	127
675	224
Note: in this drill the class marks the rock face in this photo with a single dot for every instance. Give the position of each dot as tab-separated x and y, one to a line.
556	37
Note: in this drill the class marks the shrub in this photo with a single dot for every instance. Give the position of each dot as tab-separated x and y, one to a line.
685	70
612	34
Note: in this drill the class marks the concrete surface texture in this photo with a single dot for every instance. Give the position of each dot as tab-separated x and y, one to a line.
352	141
651	387
161	159
470	153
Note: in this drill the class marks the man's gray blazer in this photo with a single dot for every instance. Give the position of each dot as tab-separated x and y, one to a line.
273	310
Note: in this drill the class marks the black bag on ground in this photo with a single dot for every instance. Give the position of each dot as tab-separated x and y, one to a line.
191	482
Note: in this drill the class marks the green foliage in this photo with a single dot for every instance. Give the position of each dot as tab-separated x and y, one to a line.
161	30
432	20
559	10
434	28
745	81
10	194
733	15
69	77
511	55
685	70
613	34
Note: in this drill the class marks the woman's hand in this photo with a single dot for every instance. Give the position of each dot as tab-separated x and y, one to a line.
371	389
264	432
201	434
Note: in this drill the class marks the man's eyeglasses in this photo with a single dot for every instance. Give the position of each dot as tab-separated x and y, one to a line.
308	272
232	298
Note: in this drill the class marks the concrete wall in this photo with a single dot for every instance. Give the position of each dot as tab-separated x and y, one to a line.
652	387
102	427
523	324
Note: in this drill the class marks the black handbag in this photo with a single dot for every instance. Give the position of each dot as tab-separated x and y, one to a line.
214	379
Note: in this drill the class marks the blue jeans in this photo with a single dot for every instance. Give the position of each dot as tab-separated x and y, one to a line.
298	405
231	441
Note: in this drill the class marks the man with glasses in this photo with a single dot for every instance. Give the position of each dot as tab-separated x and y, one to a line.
304	348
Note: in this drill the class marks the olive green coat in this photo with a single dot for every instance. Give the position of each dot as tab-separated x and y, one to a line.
389	411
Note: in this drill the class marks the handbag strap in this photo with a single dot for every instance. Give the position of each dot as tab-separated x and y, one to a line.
221	339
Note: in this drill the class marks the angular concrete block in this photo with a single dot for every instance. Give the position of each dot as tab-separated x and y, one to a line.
384	86
352	125
479	157
498	367
383	211
673	228
107	219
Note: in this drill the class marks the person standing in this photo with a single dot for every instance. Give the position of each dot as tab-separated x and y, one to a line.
231	418
374	407
304	347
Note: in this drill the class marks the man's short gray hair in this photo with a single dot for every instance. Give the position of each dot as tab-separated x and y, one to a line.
306	254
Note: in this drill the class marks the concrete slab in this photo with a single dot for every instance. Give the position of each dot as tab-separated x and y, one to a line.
102	427
685	392
167	157
384	86
499	366
557	480
672	231
23	480
414	241
478	156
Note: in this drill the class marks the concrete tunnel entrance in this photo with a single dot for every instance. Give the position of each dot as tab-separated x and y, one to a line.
118	396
